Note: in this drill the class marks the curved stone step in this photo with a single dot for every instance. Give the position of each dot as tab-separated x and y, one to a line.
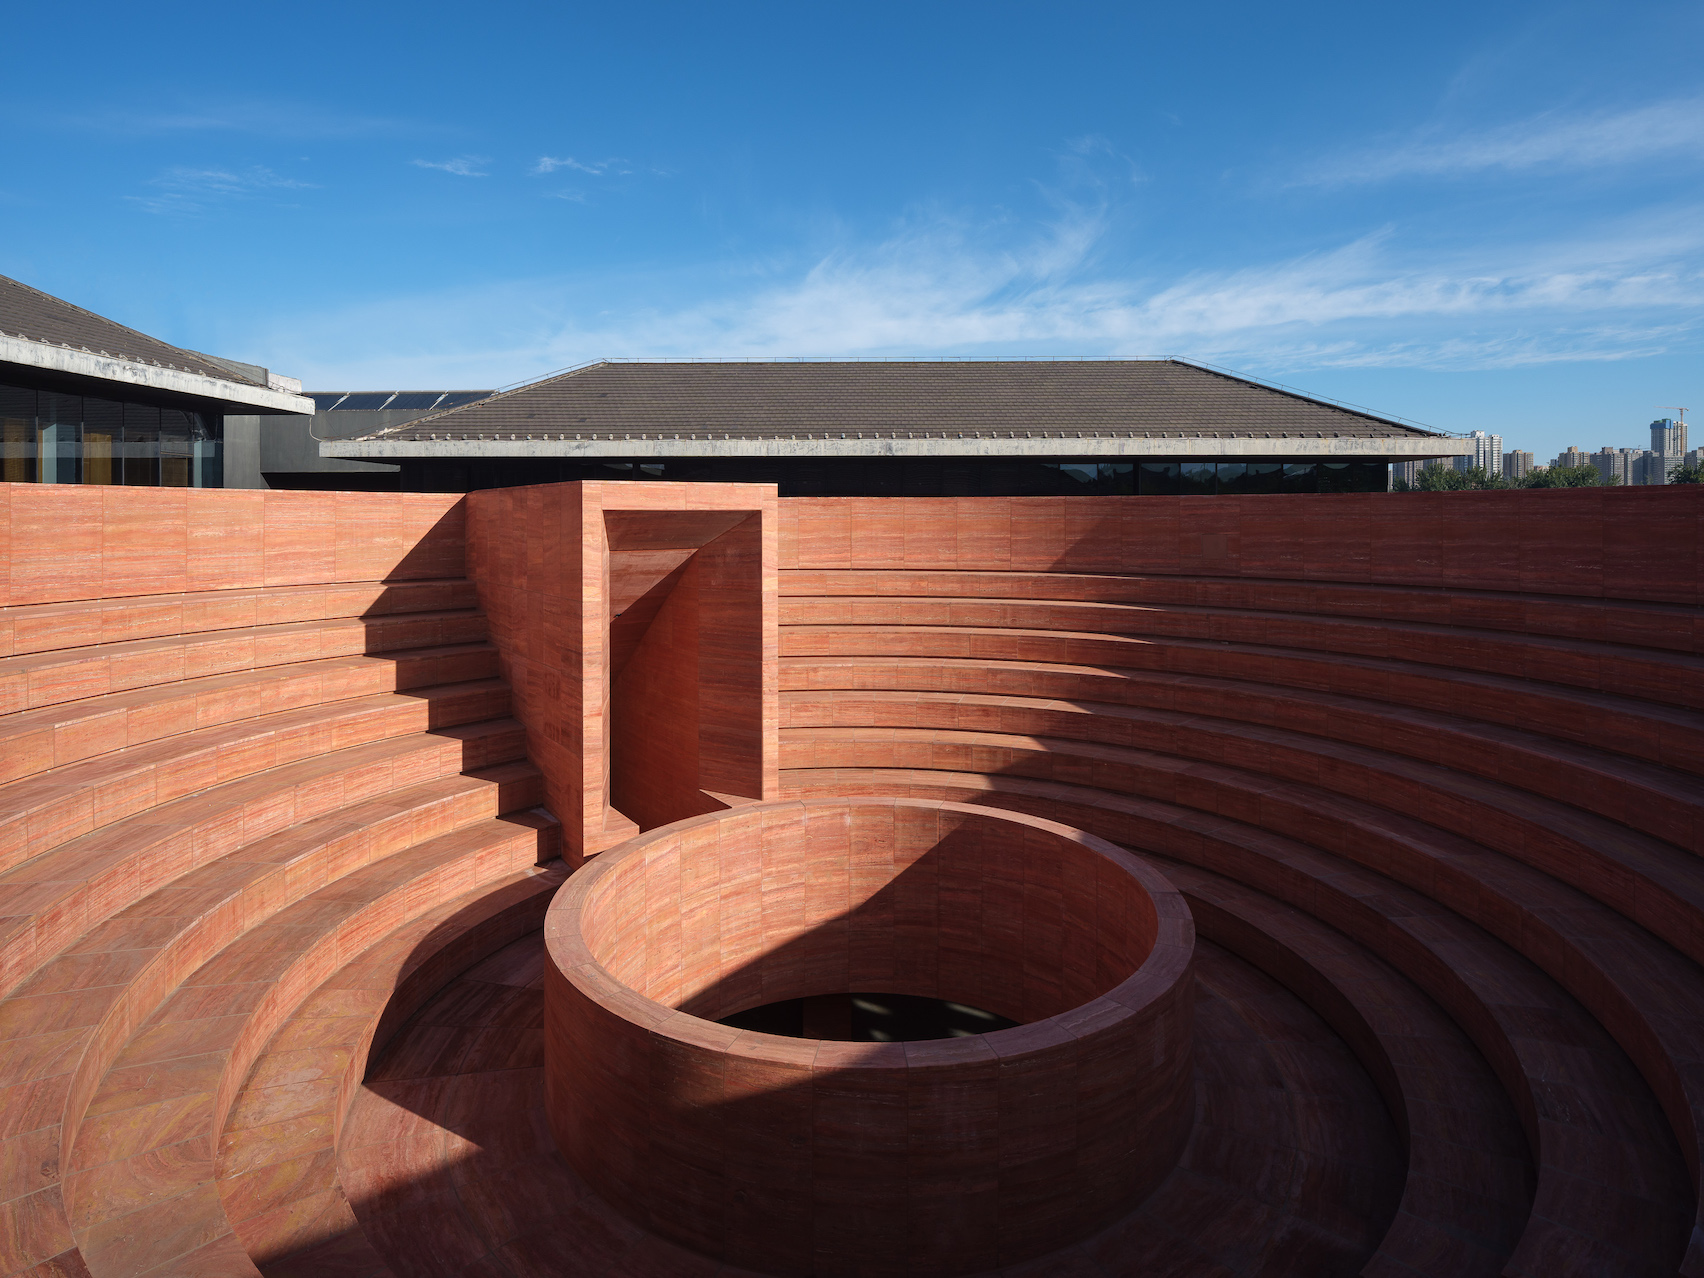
1030	664
1652	882
61	1031
276	1166
1655	674
81	797
72	674
33	741
1643	995
140	1186
1615	621
51	899
81	623
1632	793
1468	1194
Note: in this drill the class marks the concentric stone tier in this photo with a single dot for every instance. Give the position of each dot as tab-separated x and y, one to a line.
1427	770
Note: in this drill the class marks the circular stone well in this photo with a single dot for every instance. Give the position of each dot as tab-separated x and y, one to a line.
797	1156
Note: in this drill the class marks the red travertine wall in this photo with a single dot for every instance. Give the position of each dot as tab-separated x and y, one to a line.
1458	731
559	567
793	1156
70	542
245	738
1631	543
1433	763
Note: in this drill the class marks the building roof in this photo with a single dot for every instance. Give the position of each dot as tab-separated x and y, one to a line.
972	399
41	331
894	407
40	317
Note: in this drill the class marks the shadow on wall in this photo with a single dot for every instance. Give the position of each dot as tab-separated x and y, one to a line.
685	655
933	1157
304	1226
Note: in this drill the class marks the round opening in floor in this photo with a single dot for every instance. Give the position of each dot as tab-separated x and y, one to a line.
929	1154
865	1017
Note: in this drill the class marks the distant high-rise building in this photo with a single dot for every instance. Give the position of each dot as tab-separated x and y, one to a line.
1407	471
1668	436
1620	465
1487	452
1517	466
1668	445
1571	456
1644	466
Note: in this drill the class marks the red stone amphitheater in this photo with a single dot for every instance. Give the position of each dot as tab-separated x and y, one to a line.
386	876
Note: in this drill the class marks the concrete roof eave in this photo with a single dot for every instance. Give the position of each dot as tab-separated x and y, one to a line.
1396	448
109	368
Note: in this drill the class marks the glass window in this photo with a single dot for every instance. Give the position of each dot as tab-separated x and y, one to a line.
1084	473
177	435
1251	477
59	429
1094	477
1354	477
1301	477
141	448
1160	479
103	435
17	435
1196	479
51	438
1118	477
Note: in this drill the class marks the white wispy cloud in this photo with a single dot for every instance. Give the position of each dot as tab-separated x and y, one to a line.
942	287
1553	140
184	189
461	166
597	168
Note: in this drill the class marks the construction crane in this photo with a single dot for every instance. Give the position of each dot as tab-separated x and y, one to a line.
1671	408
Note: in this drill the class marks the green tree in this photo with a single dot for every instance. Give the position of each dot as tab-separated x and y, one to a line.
1435	477
1479	478
1686	474
1568	477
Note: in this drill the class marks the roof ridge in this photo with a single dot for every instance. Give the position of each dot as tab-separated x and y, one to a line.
213	361
609	400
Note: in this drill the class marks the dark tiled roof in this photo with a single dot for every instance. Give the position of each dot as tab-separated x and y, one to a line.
40	317
972	399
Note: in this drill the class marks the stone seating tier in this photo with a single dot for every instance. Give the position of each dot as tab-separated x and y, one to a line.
272	869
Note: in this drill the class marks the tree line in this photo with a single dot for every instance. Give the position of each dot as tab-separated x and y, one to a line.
1435	477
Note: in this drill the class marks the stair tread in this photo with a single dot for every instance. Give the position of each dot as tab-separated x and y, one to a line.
157	1110
1601	1122
76	623
69	674
94	875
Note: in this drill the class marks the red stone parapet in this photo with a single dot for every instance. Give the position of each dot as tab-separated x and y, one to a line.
947	1156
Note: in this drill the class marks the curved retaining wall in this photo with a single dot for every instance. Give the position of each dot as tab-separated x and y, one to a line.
790	1155
1453	744
1433	762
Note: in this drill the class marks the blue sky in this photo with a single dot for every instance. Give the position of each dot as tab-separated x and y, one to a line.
1477	215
